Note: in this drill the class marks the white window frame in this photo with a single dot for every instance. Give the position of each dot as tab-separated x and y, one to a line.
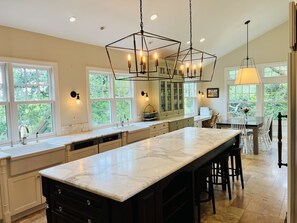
112	98
260	87
11	108
194	98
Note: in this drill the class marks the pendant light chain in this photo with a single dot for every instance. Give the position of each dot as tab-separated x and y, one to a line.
247	41
141	22
190	1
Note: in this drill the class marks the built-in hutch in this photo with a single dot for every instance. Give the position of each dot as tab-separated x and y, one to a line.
167	96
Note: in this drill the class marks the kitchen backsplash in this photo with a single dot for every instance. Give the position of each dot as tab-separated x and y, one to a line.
74	128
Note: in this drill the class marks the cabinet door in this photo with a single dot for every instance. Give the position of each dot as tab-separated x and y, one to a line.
24	192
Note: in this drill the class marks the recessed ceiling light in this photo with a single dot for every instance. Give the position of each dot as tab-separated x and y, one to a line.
154	16
202	40
188	42
72	19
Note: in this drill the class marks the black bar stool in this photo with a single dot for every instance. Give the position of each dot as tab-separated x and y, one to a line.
204	184
236	171
220	169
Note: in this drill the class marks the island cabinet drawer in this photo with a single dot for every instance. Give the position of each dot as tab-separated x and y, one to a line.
64	211
64	202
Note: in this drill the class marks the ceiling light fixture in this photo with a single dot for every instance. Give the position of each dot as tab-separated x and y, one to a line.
72	19
154	16
143	58
193	61
247	74
202	40
188	42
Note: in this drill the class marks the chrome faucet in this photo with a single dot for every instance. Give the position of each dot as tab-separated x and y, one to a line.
23	137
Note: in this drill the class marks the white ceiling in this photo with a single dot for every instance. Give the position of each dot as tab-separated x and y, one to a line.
221	22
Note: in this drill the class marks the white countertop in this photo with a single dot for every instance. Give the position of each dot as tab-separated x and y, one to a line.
121	173
31	148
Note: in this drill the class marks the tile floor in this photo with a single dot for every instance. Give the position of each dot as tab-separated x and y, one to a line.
263	200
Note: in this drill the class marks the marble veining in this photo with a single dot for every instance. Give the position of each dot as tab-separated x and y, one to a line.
121	173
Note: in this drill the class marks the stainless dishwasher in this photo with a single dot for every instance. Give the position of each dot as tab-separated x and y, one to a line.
81	149
110	142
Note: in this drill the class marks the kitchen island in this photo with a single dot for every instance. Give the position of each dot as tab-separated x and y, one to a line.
147	181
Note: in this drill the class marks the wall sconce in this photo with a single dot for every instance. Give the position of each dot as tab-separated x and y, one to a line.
201	93
146	95
73	94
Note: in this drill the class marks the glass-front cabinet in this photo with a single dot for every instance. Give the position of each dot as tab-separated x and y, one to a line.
167	96
171	98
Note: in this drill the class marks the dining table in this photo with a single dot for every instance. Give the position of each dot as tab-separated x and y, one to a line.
253	123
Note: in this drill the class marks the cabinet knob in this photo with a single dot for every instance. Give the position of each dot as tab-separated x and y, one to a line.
89	221
88	202
59	191
60	209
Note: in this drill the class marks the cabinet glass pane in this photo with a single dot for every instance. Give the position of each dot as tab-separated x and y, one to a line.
181	96
169	103
175	96
162	96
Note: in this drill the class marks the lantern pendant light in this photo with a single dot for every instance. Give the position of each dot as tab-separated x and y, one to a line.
144	53
193	62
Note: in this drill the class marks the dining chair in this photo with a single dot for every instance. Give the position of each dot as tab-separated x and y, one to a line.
211	123
264	132
245	136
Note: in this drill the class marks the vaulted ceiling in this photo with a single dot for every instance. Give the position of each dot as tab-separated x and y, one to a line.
220	22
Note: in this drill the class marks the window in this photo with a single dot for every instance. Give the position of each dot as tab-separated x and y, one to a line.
241	96
26	98
190	96
3	106
111	100
270	97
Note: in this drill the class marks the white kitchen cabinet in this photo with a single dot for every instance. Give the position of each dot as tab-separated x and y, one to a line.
158	129
24	192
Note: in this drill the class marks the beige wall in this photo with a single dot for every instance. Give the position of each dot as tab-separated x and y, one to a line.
72	59
268	48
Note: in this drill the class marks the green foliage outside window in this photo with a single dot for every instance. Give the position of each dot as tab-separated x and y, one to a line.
275	99
38	117
119	100
101	112
123	110
3	124
189	105
241	96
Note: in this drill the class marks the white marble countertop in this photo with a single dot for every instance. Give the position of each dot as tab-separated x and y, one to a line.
121	173
33	148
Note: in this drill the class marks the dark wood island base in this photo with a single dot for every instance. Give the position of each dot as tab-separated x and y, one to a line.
168	200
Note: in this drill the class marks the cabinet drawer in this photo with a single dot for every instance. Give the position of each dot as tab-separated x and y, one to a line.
82	153
62	196
138	135
103	147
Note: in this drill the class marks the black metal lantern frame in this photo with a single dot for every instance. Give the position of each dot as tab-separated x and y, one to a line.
193	61
145	51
